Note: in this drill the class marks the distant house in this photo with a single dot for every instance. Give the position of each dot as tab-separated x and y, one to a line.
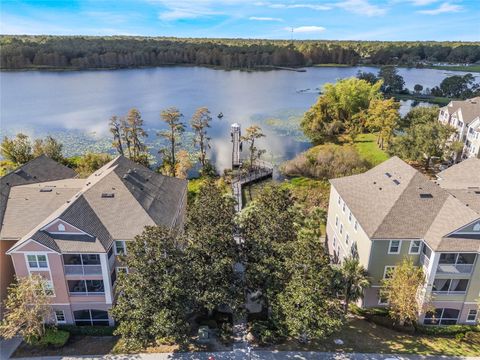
74	241
38	170
464	116
393	211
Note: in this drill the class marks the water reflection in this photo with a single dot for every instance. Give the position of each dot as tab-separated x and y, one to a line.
75	105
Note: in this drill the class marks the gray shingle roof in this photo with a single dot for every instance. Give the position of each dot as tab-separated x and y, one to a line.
470	109
136	197
394	201
37	170
462	180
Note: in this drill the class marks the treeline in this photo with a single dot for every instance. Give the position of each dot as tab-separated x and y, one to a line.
83	52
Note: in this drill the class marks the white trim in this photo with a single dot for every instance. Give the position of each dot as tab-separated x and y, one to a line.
50	288
36	254
107	285
62	232
390	246
56	319
386	269
419	247
124	247
476	316
21	243
121	267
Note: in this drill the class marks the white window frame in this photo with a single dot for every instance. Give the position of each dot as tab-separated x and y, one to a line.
388	267
475	316
48	286
380	300
410	252
124	247
64	321
390	252
38	268
121	268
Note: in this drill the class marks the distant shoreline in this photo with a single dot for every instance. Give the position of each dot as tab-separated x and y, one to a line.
455	68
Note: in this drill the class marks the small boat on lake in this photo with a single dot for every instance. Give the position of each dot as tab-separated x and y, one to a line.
220	115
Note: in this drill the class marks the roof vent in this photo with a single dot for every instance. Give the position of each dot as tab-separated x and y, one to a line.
388	175
426	196
46	189
396	182
108	195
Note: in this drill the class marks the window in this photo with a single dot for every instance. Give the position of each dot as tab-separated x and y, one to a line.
415	246
339	201
336	221
48	288
334	241
81	259
472	315
120	247
60	317
382	300
91	317
450	286
110	252
350	217
343	207
355	227
85	287
441	316
341	229
394	247
347	238
124	269
387	273
37	261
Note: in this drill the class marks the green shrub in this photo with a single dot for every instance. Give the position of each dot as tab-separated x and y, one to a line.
264	333
53	337
449	330
88	330
225	333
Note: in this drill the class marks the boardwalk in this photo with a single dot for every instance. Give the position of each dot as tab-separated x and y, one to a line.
261	170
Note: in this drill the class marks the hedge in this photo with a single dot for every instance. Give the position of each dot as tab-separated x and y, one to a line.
88	330
447	330
52	337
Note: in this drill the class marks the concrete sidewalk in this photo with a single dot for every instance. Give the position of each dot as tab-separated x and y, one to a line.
7	347
256	355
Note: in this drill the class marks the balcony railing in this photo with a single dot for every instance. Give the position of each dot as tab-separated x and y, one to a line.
424	260
83	269
454	268
449	292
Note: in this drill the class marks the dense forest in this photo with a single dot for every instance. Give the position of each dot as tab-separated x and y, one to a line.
82	52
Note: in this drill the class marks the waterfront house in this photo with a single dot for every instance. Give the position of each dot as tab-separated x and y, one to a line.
75	241
393	211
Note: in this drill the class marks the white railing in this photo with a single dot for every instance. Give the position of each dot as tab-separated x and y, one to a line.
449	292
424	260
454	268
83	269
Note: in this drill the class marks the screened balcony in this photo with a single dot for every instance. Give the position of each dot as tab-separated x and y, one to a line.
82	264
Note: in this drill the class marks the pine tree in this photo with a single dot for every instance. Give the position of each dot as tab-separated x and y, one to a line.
176	128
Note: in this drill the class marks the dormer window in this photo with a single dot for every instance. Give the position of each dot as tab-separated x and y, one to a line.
61	227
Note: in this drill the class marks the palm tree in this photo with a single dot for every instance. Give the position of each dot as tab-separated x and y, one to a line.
352	279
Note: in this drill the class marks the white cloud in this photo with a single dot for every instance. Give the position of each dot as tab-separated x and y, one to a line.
262	18
188	9
306	29
362	7
443	8
422	2
298	6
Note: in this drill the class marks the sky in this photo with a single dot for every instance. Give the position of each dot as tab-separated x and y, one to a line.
456	20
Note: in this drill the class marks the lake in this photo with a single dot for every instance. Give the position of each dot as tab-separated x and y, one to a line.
75	106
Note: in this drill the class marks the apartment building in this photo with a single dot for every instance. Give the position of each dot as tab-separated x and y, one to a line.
72	230
464	116
392	211
38	170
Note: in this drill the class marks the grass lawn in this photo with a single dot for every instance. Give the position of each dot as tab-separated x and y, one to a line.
433	100
366	145
472	68
362	336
